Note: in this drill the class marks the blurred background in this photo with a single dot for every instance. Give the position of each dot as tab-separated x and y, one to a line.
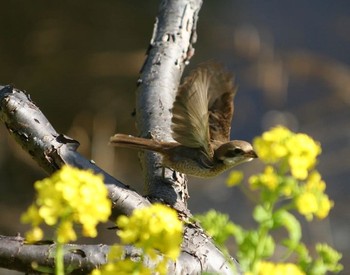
79	61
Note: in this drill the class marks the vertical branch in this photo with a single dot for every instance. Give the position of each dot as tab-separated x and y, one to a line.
169	51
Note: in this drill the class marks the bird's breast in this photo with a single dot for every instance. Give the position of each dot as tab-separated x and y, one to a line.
192	162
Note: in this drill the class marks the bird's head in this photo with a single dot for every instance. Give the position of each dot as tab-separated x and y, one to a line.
235	152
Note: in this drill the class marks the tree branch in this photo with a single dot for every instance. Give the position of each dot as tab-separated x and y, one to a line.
170	50
31	129
16	254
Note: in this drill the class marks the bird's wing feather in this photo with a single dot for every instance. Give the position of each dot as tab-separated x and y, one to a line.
203	108
221	95
190	122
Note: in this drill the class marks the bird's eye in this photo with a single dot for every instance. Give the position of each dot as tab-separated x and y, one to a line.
233	153
238	151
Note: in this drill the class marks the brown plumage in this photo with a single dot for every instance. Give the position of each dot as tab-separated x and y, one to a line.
201	123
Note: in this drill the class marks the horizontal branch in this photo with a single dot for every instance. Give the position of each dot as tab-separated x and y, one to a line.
16	254
51	150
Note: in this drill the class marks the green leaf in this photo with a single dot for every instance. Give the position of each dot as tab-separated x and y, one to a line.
218	226
329	257
247	249
260	214
283	218
269	247
304	257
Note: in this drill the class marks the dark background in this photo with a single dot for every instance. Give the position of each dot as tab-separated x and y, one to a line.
79	60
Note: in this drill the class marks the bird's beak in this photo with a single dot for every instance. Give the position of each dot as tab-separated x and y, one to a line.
251	154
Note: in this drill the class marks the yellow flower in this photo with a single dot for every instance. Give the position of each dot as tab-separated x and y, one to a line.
303	152
268	179
155	227
298	151
307	204
152	228
32	216
312	199
289	187
266	268
234	178
315	183
298	166
269	268
70	196
270	147
325	205
310	203
65	232
34	235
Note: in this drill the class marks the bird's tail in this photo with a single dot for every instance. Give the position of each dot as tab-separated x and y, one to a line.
128	141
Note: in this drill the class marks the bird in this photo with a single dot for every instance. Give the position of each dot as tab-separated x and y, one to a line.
201	125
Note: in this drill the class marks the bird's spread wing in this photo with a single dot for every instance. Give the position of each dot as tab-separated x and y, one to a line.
190	122
221	94
203	108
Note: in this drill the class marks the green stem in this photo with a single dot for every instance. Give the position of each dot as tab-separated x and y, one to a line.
262	235
59	265
263	230
287	207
